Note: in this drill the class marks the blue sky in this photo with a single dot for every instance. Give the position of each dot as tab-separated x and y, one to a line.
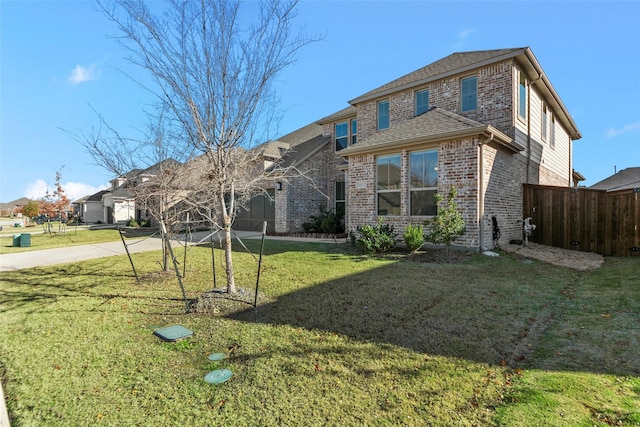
57	61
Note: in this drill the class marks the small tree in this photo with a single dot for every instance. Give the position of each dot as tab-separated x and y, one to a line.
56	204
448	224
414	237
31	209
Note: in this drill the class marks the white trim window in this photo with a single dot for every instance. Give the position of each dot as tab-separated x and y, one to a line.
552	132
354	131
342	135
469	93
423	183
544	122
383	114
340	198
522	96
422	101
388	181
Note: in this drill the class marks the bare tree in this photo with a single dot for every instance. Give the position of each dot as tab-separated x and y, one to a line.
214	70
149	165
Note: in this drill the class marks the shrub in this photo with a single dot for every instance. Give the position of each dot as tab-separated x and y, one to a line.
377	239
448	224
414	237
133	223
328	222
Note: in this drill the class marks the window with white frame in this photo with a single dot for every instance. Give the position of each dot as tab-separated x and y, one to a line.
423	183
552	132
340	199
469	91
544	122
422	101
354	131
522	96
383	115
388	178
342	135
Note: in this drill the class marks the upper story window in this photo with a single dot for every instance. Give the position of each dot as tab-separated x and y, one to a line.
544	122
469	91
383	115
342	135
423	183
354	131
388	178
522	96
552	132
422	101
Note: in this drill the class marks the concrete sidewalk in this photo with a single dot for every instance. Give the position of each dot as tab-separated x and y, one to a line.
46	257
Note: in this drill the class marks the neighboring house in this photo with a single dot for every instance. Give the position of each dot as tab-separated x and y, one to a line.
623	180
90	208
13	207
119	203
484	122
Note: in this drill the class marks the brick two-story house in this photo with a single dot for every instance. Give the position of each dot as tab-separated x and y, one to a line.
485	122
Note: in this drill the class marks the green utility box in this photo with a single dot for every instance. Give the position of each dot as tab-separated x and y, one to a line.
22	240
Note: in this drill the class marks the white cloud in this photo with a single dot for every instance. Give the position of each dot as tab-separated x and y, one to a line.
82	74
36	190
73	190
611	133
464	33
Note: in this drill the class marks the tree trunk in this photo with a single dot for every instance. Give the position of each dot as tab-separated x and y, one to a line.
228	256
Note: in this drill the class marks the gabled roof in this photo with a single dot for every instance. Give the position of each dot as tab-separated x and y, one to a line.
433	126
301	152
97	197
302	135
623	180
455	63
350	111
461	62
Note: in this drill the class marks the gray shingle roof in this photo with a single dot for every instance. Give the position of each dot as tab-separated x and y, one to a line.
302	135
345	112
433	125
623	180
97	197
452	64
303	151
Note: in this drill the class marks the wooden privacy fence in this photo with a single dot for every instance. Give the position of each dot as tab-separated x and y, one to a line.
607	223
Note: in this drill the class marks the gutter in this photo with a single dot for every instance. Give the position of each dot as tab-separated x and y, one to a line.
407	143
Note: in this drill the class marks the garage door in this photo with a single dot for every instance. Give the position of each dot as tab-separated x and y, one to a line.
259	209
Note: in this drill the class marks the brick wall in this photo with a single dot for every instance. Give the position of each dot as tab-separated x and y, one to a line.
495	100
301	197
457	163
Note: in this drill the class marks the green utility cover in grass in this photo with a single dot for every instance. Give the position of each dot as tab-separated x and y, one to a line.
173	333
216	356
218	376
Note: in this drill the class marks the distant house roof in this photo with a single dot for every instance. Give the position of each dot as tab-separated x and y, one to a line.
623	180
434	125
97	197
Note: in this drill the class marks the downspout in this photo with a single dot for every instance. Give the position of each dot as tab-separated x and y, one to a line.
481	189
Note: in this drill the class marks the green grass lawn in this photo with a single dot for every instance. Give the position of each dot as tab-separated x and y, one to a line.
54	240
337	339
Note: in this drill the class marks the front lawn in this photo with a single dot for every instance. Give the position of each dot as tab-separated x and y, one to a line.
337	339
54	240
